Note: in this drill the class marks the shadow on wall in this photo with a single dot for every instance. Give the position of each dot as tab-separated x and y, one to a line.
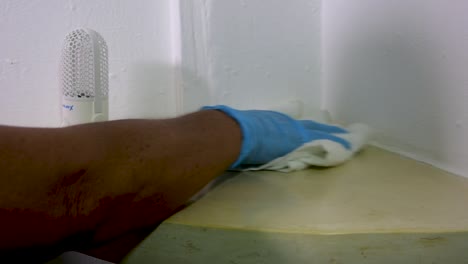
387	72
143	90
155	91
196	91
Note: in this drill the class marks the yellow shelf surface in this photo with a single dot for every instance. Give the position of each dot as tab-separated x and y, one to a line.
378	207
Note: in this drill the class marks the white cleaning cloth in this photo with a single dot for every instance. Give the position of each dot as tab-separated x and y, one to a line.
324	153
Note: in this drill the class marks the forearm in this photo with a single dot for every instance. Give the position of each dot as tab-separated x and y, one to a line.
166	162
106	178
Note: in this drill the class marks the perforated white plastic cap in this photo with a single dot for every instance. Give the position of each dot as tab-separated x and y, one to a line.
83	72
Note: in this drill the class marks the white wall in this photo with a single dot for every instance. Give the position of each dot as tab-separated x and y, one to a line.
401	66
250	54
396	65
138	34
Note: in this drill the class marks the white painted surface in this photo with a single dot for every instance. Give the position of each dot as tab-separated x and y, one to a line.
401	66
138	34
250	54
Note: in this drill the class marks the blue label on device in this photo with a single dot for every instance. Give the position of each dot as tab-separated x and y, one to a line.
68	107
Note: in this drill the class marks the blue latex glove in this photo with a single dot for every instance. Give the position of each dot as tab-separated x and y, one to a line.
267	135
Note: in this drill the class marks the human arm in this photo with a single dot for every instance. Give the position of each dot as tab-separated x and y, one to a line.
86	186
98	181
